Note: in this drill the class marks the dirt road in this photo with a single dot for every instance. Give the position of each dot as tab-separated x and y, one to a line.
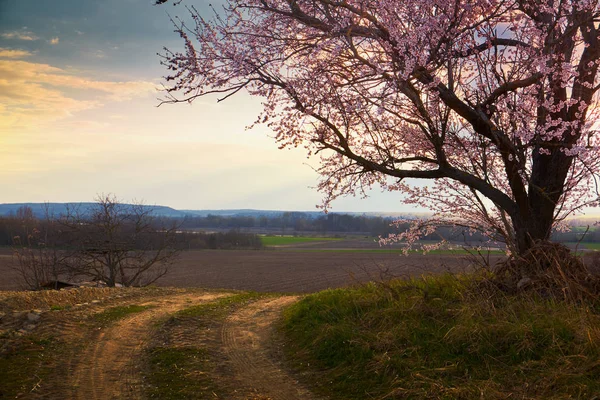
246	337
109	367
110	360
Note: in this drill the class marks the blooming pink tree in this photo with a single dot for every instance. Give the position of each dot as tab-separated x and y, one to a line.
493	102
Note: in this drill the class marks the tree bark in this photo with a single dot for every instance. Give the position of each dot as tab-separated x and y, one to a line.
535	219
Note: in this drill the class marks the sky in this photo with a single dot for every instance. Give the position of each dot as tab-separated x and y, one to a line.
79	88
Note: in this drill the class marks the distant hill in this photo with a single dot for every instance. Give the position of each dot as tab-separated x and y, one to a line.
309	214
243	212
57	209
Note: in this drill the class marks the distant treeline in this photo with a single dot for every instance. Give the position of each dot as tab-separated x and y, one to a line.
292	222
295	221
15	228
228	235
330	224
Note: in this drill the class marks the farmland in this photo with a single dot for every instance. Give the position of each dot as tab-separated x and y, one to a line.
292	240
302	264
307	267
189	338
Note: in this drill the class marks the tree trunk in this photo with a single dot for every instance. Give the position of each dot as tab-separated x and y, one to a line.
535	220
537	228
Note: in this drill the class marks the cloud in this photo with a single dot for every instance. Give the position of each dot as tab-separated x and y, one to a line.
98	54
22	34
54	40
14	53
34	94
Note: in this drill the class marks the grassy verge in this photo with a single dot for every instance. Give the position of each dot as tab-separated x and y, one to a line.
436	338
187	368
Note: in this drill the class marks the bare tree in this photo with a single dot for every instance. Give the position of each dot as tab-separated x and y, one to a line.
38	259
119	243
25	213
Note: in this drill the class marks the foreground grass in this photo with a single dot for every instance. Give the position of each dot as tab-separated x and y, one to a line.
430	339
180	369
23	368
287	240
178	373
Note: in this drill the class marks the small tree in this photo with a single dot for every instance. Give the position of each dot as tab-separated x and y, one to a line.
38	259
25	214
490	101
119	243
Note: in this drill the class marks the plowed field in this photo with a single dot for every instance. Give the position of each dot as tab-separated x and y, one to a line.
283	270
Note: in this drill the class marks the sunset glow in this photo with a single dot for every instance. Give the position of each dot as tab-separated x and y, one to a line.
79	93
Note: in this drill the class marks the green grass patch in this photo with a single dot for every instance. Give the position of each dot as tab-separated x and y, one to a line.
25	367
582	229
179	373
116	313
591	246
436	338
287	240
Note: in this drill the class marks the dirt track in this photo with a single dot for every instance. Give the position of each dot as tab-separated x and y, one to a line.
246	338
109	367
111	359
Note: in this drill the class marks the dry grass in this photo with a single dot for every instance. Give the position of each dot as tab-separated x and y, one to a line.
47	299
443	338
552	271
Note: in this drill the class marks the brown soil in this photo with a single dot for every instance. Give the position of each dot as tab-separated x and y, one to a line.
293	271
247	337
299	271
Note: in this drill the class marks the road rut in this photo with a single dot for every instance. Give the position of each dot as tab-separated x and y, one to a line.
109	367
246	337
